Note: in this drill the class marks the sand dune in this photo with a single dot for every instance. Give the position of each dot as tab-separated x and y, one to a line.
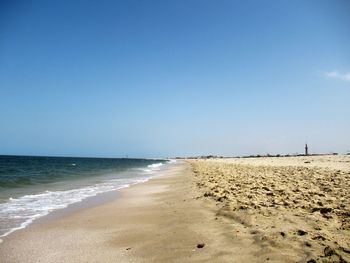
293	208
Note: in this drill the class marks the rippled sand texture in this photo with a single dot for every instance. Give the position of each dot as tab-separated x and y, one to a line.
293	208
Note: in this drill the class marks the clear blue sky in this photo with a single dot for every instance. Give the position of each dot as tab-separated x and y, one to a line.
165	78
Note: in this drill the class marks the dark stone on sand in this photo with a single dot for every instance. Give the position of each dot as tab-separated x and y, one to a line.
322	210
222	198
311	261
128	248
345	213
283	234
200	245
328	251
301	232
307	244
319	237
325	210
327	216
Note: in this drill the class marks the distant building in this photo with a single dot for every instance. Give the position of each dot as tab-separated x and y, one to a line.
306	149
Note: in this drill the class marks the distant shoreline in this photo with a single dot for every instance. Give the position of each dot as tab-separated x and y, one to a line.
257	156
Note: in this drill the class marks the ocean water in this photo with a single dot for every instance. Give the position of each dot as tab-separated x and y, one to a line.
32	187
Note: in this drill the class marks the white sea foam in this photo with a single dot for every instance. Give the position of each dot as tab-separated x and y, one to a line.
17	213
155	165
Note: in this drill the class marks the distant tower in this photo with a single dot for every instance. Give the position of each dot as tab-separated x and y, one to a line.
306	149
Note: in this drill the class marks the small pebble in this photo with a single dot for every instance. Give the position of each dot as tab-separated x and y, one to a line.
301	232
201	245
328	251
307	244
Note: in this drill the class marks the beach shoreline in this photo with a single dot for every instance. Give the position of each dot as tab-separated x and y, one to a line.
159	220
34	187
217	210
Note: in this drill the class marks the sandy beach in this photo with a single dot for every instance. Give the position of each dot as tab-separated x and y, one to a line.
162	220
175	131
294	209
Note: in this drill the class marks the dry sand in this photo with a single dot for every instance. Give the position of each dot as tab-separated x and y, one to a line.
290	209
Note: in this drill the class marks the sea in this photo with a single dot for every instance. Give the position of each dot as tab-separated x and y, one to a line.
32	187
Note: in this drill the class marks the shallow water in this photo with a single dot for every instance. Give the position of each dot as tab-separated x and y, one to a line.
31	187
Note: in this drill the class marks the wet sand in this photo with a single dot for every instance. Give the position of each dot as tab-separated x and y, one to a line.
295	209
